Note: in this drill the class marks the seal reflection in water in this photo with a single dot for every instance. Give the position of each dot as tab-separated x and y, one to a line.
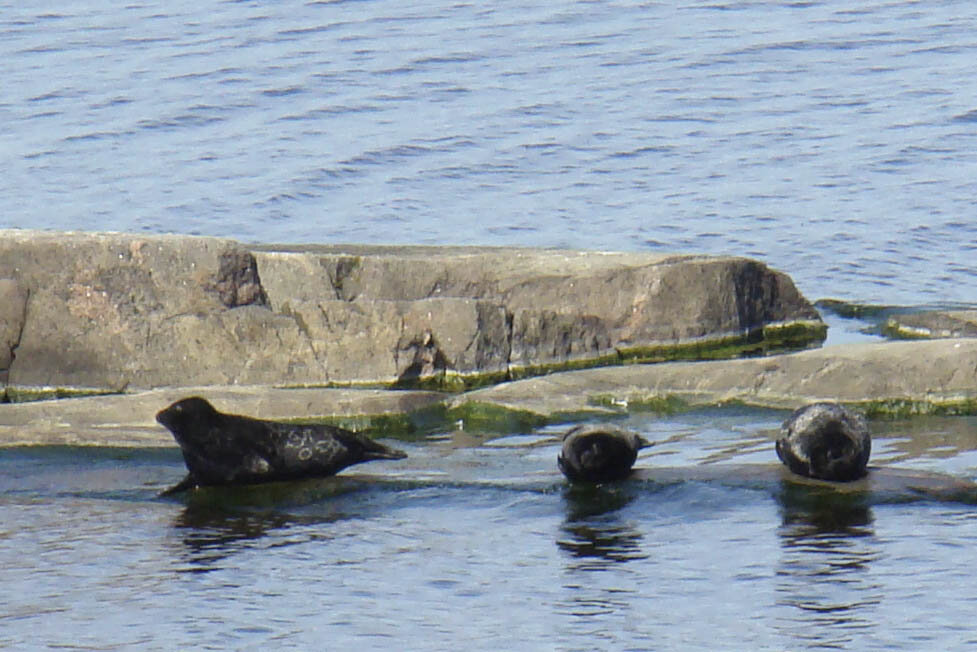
825	441
599	453
221	449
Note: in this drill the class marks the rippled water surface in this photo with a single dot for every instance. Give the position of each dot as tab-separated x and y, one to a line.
476	541
836	141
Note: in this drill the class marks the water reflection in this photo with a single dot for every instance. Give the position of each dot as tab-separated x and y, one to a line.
596	537
824	578
593	529
217	522
808	512
211	535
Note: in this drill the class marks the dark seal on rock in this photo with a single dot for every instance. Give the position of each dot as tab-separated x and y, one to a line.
599	453
825	441
222	449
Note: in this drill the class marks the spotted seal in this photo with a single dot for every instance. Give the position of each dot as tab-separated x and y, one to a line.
221	449
593	453
825	441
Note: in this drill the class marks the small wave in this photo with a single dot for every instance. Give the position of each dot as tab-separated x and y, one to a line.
179	122
969	116
94	135
466	57
326	111
641	151
388	155
283	92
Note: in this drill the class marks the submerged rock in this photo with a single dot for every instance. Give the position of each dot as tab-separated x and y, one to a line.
825	441
599	453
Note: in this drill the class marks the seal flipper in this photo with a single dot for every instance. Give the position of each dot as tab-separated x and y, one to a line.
189	482
377	451
368	448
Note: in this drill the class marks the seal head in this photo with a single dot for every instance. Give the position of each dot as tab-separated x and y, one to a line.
825	441
221	449
599	453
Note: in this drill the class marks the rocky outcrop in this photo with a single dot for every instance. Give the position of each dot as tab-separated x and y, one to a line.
561	307
932	324
110	312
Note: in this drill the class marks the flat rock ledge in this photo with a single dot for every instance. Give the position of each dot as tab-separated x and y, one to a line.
931	324
88	313
900	378
883	379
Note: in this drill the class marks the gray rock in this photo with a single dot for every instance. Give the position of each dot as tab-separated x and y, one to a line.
110	312
387	342
118	311
932	324
902	377
562	308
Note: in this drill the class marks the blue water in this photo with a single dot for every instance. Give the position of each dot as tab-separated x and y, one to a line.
476	542
833	140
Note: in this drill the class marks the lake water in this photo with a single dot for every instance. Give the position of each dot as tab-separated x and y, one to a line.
835	141
476	542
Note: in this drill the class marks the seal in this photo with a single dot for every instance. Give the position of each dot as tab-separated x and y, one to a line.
224	449
599	453
825	441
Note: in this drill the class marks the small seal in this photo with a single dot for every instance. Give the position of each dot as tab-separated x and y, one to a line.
222	449
599	453
825	441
